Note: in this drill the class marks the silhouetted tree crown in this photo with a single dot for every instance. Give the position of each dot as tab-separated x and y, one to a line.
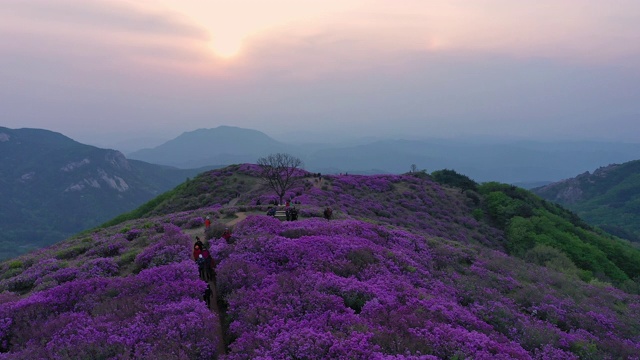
279	171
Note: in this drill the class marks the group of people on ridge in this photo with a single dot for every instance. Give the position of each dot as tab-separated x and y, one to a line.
206	263
204	260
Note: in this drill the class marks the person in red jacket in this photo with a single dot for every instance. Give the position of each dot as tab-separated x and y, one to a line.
207	224
200	261
226	234
197	250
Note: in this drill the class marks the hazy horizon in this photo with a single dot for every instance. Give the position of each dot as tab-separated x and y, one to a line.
133	142
112	71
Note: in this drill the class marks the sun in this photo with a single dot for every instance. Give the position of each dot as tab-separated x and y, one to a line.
226	47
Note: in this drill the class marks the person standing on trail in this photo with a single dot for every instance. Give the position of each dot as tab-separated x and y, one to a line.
226	234
199	243
199	259
207	271
327	213
197	250
207	224
207	296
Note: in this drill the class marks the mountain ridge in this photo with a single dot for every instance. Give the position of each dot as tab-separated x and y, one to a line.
54	186
195	148
609	197
408	267
503	161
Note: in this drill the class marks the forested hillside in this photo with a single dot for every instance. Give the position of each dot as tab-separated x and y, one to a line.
52	187
608	198
407	268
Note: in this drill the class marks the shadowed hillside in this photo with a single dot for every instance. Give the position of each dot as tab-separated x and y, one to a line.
52	187
408	268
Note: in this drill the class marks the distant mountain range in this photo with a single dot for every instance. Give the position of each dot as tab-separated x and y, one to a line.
52	187
205	147
522	162
609	198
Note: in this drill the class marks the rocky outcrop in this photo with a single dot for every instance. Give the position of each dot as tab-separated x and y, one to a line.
117	160
74	165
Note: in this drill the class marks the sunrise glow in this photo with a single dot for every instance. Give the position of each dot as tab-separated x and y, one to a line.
226	48
308	62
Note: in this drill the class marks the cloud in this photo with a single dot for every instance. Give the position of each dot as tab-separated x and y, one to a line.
446	68
107	16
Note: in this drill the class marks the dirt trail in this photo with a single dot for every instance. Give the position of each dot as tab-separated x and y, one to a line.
240	216
214	293
217	327
195	232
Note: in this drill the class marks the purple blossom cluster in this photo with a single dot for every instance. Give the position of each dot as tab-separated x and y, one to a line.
100	267
81	309
155	314
25	280
353	290
109	247
133	234
399	200
167	247
249	169
195	222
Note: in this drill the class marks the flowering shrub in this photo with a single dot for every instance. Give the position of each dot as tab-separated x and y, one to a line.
155	314
133	234
349	289
65	275
168	247
99	267
25	280
195	223
112	246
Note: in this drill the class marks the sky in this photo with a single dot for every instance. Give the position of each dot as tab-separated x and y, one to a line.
123	70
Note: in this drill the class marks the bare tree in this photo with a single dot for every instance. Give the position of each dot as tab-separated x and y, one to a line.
279	172
414	168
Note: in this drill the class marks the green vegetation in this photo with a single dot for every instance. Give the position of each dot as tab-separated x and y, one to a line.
535	227
15	264
206	189
146	208
609	198
450	177
53	187
73	251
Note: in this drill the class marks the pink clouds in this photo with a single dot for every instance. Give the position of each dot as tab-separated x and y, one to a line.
431	67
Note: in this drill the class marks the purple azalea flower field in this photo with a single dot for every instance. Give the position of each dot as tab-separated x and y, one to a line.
402	272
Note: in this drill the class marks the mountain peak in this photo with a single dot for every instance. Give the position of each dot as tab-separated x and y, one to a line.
222	145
